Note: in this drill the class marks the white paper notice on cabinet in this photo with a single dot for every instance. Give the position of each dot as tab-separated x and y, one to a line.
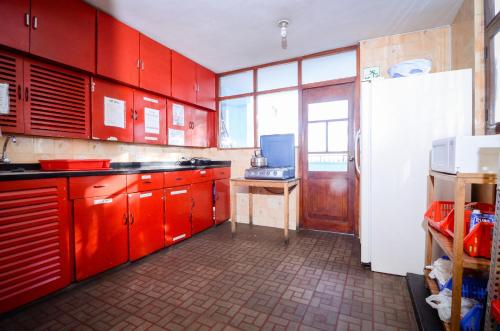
4	98
151	120
114	112
178	114
175	137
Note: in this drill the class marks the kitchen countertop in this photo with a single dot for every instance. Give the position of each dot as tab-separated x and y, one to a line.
21	171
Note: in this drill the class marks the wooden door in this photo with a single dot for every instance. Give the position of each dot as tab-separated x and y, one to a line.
64	31
16	22
222	205
198	133
183	78
327	168
205	96
155	70
146	231
178	205
202	212
101	234
11	72
117	50
178	123
112	111
150	124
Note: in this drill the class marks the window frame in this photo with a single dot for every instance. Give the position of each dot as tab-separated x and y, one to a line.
299	87
492	27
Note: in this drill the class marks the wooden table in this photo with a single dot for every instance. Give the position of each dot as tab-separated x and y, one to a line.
287	185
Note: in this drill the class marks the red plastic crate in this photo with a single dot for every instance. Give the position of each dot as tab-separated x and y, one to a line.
478	242
495	310
485	208
65	165
437	214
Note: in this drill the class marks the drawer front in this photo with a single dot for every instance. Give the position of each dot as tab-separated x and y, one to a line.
202	175
221	173
93	186
144	182
177	178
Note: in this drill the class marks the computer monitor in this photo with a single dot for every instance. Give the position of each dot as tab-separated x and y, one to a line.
279	150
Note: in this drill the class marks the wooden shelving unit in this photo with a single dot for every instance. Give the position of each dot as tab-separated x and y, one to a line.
454	247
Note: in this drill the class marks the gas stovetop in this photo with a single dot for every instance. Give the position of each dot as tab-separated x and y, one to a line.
270	173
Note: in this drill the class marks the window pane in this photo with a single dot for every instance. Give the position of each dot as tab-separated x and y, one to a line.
316	137
236	123
278	113
497	6
337	136
318	69
496	77
327	162
278	76
238	83
331	110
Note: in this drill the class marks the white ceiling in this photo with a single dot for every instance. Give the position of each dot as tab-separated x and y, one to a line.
230	34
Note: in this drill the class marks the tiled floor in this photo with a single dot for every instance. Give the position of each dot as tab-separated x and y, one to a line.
214	282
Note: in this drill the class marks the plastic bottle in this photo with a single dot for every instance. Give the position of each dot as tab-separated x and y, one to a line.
475	218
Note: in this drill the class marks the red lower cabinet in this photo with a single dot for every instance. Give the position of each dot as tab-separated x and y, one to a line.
178	202
146	230
222	205
34	240
202	211
101	233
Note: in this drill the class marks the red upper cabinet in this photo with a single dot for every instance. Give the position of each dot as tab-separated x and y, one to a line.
183	78
64	31
16	21
112	111
206	79
155	67
150	124
117	50
11	72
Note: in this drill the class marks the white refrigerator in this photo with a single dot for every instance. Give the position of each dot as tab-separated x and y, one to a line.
399	120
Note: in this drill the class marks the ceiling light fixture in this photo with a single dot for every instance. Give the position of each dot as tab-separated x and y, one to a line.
283	25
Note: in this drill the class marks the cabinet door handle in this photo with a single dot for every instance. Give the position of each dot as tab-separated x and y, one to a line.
132	114
125	219
100	186
27	19
136	115
142	65
26	94
138	63
19	92
147	182
131	219
35	22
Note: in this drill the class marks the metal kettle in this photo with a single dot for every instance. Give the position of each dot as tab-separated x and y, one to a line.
257	160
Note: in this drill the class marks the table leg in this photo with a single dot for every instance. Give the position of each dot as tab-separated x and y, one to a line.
286	196
297	206
233	209
250	205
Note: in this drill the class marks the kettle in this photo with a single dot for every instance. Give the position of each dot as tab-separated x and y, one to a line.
257	160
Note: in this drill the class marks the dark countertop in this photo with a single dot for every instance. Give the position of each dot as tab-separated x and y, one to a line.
21	171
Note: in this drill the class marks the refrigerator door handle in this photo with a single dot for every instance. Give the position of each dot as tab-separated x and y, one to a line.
357	136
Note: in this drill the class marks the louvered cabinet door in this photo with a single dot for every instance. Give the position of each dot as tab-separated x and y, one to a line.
34	240
57	101
11	72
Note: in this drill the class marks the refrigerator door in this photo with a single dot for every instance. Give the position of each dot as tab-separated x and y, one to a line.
405	116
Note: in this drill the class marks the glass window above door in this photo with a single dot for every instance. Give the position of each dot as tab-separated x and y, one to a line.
238	83
330	67
277	76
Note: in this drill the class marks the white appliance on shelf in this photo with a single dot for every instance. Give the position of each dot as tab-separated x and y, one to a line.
466	154
400	118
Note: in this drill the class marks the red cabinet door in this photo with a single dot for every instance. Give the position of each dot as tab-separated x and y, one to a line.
178	123
183	78
150	124
11	72
112	111
35	257
198	136
205	96
101	234
64	31
178	204
117	50
156	66
222	205
15	18
57	101
202	212
146	231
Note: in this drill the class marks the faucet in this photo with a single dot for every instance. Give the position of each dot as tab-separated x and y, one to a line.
4	158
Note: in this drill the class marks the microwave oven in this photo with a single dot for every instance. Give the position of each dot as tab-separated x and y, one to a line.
466	154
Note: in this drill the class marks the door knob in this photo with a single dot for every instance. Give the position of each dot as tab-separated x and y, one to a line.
351	157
